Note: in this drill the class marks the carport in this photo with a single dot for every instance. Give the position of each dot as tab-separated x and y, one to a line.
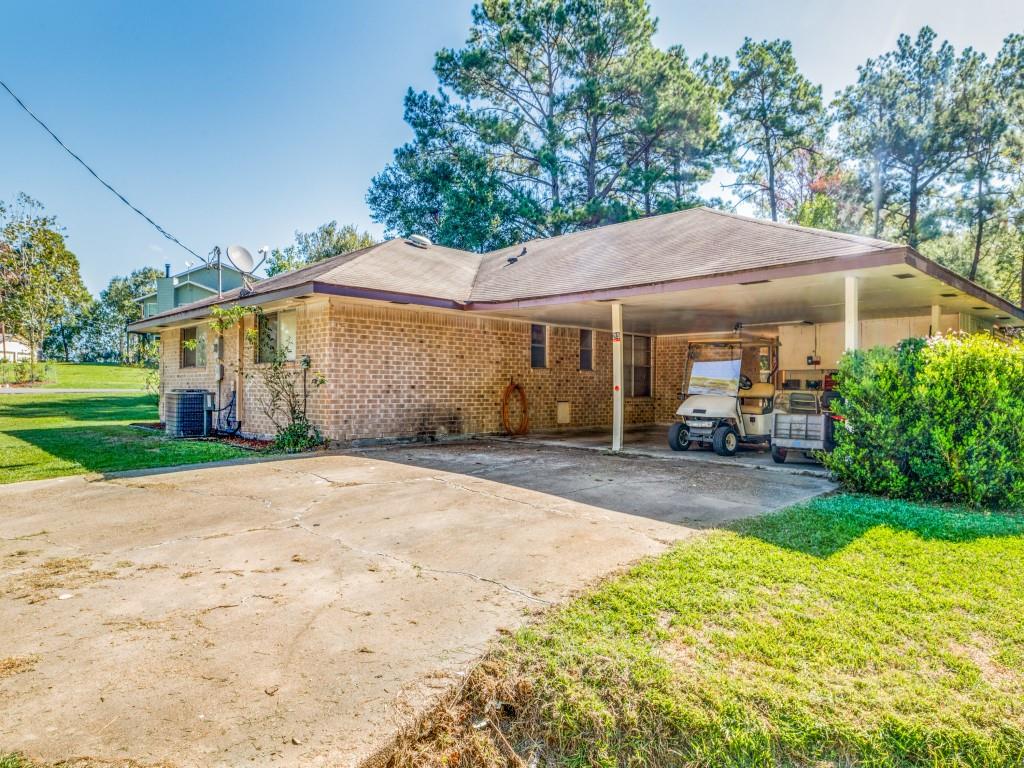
815	294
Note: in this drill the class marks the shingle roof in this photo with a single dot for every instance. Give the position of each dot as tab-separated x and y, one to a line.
698	242
693	243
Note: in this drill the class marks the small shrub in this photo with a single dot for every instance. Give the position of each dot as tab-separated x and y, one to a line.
298	436
940	420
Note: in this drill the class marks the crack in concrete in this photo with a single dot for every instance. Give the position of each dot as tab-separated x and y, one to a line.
419	566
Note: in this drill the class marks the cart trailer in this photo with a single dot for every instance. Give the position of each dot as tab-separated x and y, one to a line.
801	432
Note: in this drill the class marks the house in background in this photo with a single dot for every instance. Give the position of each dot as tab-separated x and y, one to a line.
14	349
194	284
597	327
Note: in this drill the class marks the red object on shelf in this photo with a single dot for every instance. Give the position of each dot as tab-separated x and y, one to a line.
828	383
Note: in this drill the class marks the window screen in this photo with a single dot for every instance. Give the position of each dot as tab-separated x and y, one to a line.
586	349
538	346
200	346
188	347
636	360
276	337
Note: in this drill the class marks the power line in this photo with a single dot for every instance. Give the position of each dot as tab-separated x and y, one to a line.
95	175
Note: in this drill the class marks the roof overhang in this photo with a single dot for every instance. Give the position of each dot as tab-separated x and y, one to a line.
896	282
893	283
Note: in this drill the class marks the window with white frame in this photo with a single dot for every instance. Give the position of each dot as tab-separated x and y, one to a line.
636	362
276	337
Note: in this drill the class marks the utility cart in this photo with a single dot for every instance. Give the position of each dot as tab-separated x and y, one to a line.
806	427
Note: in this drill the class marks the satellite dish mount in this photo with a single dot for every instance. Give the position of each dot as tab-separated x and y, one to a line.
242	260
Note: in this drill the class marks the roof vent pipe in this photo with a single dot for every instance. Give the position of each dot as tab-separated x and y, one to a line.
420	241
167	270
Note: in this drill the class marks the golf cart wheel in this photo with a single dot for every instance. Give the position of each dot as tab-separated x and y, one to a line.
779	454
725	441
678	437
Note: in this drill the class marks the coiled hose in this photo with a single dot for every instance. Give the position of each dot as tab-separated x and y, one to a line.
506	399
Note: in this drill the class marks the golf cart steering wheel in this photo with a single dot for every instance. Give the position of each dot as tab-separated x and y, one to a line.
745	382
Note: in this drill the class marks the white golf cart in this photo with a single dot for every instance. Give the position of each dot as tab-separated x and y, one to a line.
723	408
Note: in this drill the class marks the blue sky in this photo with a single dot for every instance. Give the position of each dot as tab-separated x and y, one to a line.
240	122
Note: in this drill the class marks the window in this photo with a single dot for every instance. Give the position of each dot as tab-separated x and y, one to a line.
276	337
636	361
538	346
193	347
200	346
586	349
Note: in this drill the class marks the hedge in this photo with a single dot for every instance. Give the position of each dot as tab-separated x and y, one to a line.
939	419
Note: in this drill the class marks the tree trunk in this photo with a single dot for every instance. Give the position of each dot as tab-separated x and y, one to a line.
771	189
31	357
647	182
3	340
913	202
592	160
64	341
980	212
876	196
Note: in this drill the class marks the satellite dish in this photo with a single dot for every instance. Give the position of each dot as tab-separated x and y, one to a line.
241	259
420	241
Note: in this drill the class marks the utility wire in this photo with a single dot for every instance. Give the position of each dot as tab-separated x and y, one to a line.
95	175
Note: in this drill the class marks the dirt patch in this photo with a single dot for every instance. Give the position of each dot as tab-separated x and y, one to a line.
58	574
14	665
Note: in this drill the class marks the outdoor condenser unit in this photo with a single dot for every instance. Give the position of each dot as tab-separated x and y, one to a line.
186	412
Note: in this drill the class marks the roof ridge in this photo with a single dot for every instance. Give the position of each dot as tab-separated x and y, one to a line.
846	237
318	268
610	225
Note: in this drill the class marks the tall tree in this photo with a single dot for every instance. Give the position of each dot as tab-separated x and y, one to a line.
67	337
118	306
442	186
42	277
865	112
775	112
547	113
926	136
325	241
982	108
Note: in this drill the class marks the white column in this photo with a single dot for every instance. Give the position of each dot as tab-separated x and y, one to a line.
852	313
618	410
936	319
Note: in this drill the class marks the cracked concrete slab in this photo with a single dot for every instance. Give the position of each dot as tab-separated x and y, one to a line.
297	612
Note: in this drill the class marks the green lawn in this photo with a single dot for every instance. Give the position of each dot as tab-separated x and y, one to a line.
848	631
95	376
49	435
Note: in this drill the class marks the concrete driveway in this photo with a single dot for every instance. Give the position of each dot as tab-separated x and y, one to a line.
297	612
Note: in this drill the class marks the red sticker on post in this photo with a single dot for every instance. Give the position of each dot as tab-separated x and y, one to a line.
616	387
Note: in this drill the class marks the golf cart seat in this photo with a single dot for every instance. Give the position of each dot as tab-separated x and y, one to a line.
758	399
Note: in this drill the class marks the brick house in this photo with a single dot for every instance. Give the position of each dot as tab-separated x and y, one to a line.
420	341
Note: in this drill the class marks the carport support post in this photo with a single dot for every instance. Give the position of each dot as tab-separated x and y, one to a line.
852	313
617	401
936	320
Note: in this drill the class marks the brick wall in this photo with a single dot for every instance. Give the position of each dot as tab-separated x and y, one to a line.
403	372
410	372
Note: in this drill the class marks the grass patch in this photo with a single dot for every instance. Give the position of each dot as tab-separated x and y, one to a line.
845	631
95	376
53	435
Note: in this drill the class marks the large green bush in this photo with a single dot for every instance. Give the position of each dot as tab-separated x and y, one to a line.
940	420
